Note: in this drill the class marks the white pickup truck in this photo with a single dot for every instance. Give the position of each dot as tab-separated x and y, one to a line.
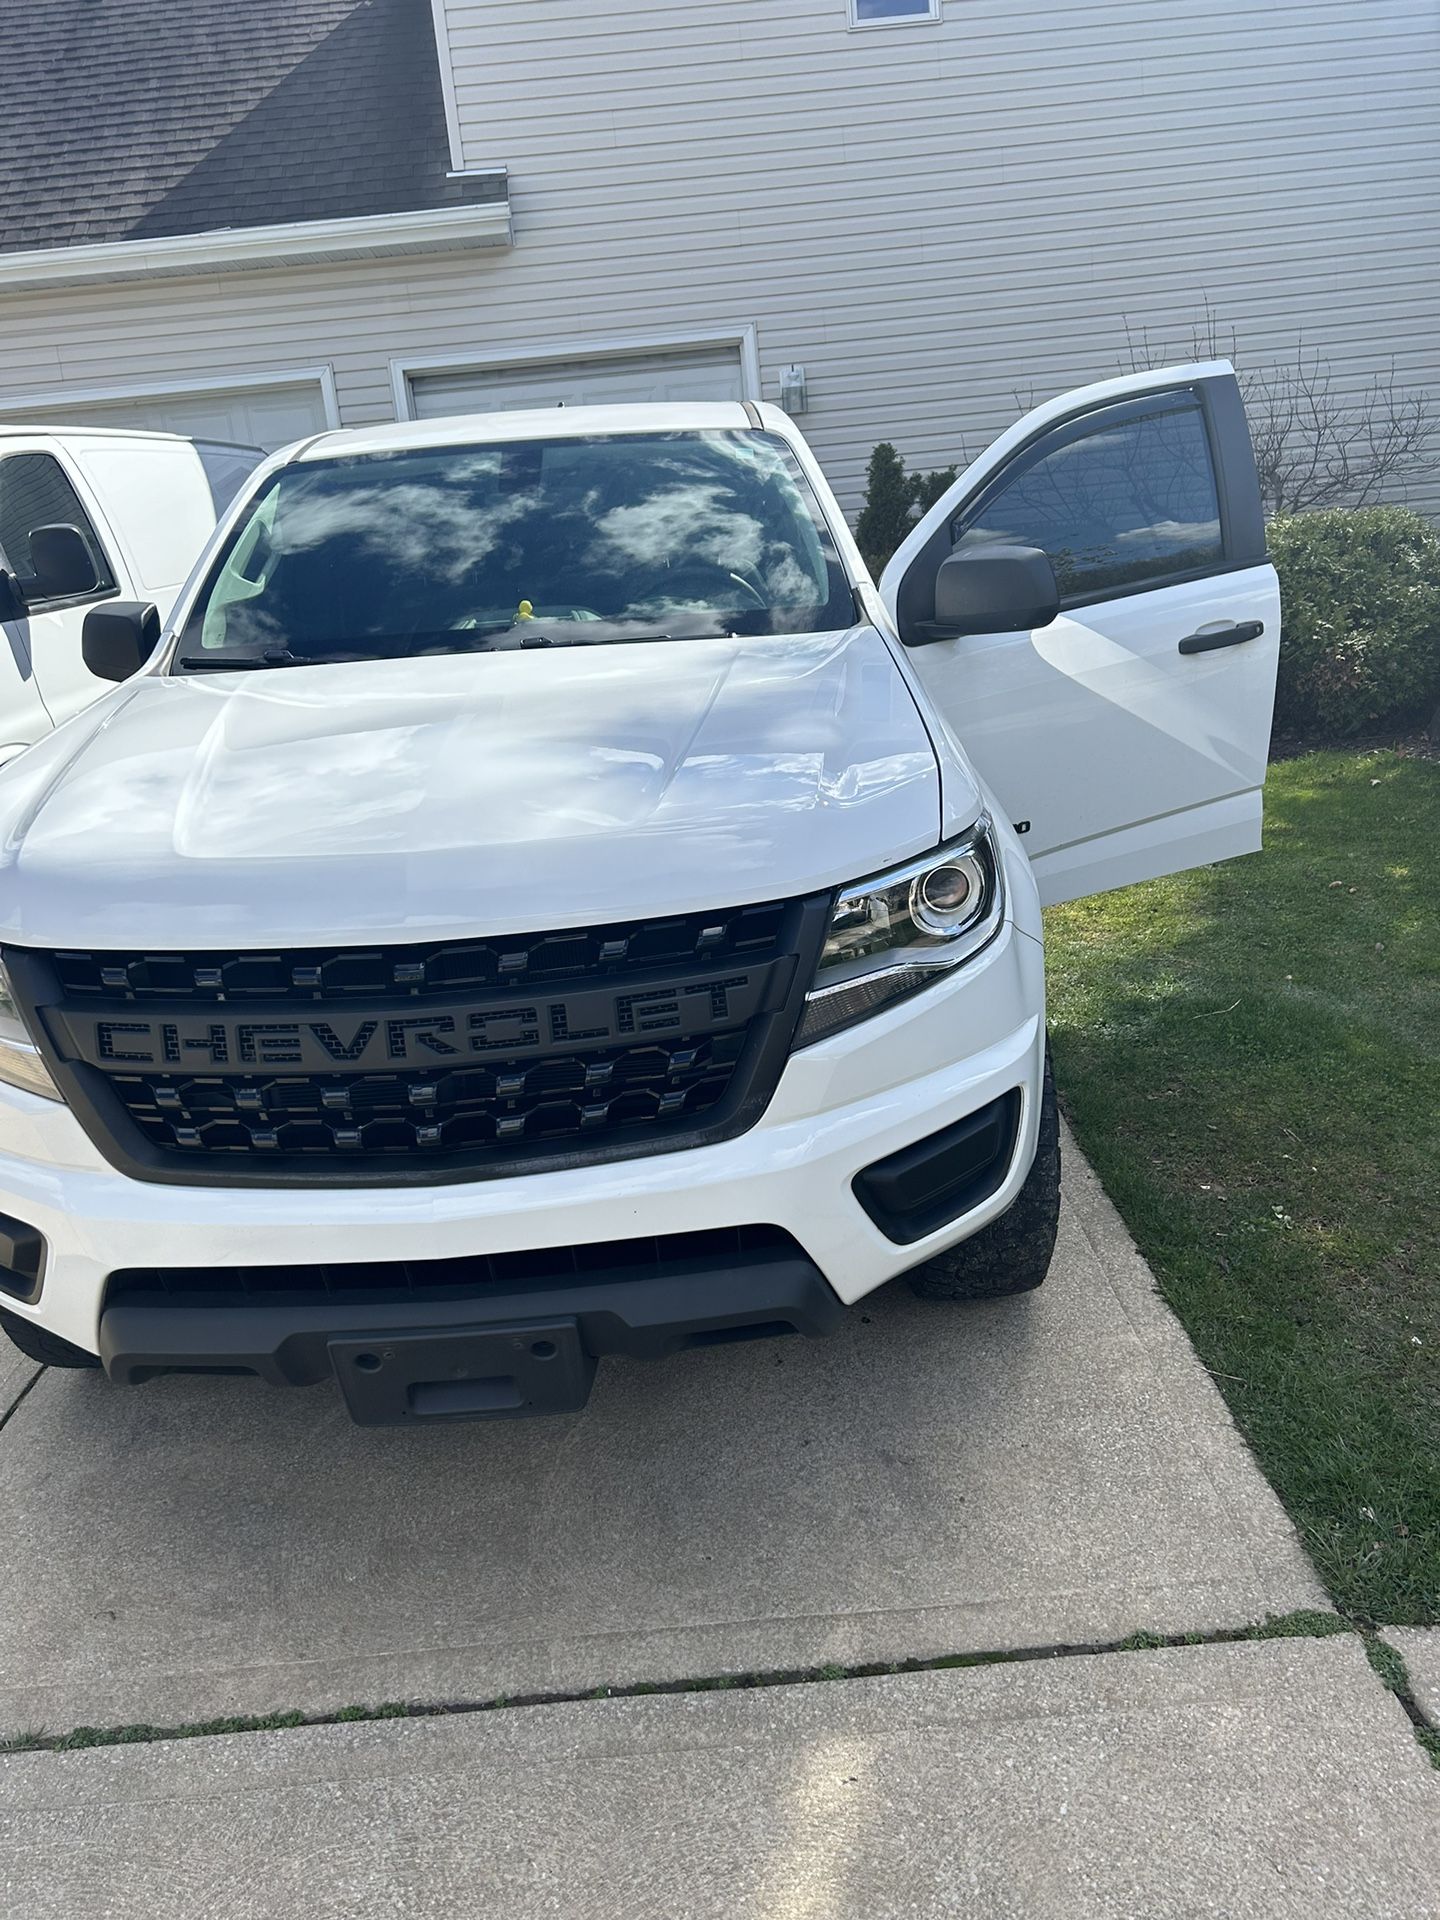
89	514
538	898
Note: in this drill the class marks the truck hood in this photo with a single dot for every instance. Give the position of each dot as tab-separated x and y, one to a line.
485	793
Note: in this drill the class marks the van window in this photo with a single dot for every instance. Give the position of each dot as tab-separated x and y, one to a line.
35	491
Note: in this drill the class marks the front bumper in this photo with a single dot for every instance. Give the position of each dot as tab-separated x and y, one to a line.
840	1106
521	1350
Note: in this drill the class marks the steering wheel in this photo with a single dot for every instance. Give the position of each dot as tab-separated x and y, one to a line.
698	583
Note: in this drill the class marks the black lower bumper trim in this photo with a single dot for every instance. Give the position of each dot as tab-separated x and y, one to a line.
924	1187
299	1343
22	1259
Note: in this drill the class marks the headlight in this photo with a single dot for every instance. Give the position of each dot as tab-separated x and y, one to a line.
899	931
20	1062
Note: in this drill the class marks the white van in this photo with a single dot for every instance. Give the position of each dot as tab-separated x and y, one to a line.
89	514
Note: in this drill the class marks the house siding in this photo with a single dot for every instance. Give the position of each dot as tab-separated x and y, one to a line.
937	221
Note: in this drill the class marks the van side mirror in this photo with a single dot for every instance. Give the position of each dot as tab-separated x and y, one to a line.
12	597
62	563
991	589
118	638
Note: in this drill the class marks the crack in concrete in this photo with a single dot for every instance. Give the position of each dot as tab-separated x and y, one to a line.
14	1406
1307	1624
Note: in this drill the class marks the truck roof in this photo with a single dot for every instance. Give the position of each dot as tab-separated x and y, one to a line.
540	423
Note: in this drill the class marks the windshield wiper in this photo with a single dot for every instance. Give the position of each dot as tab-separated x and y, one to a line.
526	638
252	662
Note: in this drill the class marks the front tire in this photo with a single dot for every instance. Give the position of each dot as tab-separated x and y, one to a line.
1012	1254
48	1348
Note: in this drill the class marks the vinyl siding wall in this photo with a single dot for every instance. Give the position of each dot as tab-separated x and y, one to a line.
938	221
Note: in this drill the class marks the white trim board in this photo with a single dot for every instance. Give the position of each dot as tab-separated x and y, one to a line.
610	347
484	223
322	377
447	87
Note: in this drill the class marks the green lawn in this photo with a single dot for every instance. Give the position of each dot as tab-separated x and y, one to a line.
1250	1055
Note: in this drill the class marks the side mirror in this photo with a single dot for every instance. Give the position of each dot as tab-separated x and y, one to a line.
62	563
991	590
118	638
12	597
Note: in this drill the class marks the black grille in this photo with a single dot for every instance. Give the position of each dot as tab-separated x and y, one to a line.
519	961
247	1067
510	1104
669	1255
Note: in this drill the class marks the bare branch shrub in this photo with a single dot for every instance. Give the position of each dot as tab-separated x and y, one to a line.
1316	445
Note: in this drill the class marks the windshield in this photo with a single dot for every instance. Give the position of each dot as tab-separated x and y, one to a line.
621	537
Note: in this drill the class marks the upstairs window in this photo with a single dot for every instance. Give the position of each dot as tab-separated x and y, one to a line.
892	13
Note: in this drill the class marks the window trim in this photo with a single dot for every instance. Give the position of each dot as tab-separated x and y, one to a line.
932	18
63	603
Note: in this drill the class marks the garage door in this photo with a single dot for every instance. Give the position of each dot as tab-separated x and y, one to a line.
256	416
704	373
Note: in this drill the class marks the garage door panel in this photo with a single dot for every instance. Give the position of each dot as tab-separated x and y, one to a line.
708	373
267	417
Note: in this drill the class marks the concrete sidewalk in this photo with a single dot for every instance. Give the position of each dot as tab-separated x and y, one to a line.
932	1480
1419	1647
1266	1779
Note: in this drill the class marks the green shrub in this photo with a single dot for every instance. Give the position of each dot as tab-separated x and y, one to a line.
1360	636
894	500
885	517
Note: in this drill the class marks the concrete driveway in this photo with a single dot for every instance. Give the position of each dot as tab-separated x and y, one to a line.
1275	1781
1040	1474
934	1480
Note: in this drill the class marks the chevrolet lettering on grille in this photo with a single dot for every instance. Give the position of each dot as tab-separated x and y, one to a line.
216	1040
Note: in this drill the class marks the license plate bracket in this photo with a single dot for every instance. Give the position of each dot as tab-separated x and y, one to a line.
464	1373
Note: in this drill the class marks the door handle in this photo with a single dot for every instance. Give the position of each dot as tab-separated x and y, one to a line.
1231	636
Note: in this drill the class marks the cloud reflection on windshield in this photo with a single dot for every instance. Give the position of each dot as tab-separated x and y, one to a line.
394	553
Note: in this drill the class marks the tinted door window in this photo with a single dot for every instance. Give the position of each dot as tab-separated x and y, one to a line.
34	492
1120	499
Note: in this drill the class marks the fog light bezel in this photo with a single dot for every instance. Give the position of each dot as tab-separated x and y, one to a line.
23	1255
921	1188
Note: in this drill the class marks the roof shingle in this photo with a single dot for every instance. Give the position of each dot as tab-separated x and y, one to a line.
132	119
